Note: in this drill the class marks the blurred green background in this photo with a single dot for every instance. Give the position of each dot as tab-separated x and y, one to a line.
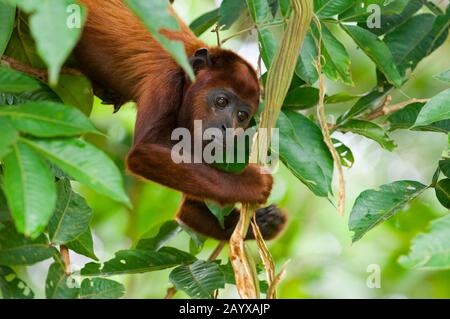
322	261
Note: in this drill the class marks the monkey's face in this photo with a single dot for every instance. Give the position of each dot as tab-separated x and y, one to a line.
224	97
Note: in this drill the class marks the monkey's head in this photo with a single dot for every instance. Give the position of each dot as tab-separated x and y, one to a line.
226	92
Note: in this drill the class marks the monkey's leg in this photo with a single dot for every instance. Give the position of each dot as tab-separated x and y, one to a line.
196	215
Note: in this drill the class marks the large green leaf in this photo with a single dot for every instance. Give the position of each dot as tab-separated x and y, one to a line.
11	286
83	245
430	250
230	11
407	116
157	237
369	130
415	39
337	59
437	109
15	249
359	11
29	188
198	280
390	21
204	22
101	288
443	192
135	261
373	207
304	152
51	27
71	217
156	16
269	45
301	98
60	285
8	137
13	81
48	119
85	163
76	90
305	67
329	8
259	10
42	94
377	50
7	16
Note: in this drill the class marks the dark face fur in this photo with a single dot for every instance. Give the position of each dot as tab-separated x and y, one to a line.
225	95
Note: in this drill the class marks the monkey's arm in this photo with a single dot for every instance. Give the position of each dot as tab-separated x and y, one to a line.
153	161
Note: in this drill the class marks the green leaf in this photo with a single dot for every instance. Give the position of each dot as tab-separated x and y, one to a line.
442	189
444	166
83	245
407	116
301	98
373	207
259	10
230	11
269	45
370	130
329	8
204	22
55	38
337	59
157	237
11	286
377	50
359	11
71	217
43	94
60	285
198	280
444	76
345	153
8	137
366	102
135	261
15	249
430	250
156	16
437	109
13	81
305	67
304	152
47	119
101	288
85	163
219	211
390	21
7	17
420	36
340	97
76	90
29	188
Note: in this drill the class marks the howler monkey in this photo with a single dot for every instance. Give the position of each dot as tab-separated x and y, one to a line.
124	62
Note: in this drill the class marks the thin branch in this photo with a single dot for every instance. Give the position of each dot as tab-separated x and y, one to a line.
267	25
66	258
40	74
324	125
215	253
387	109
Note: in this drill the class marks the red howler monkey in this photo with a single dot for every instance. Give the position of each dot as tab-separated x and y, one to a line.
124	62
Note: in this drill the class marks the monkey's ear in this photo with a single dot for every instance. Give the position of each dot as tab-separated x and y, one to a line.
200	60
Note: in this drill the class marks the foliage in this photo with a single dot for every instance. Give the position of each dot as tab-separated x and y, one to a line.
49	147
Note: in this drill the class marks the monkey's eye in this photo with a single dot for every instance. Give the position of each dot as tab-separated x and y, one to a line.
242	116
221	101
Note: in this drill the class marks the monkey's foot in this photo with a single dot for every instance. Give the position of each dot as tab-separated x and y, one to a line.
271	221
110	97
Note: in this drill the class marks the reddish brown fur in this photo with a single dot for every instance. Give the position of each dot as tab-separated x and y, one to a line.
119	54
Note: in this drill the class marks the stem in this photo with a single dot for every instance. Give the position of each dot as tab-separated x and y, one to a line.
215	253
385	109
271	24
66	258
